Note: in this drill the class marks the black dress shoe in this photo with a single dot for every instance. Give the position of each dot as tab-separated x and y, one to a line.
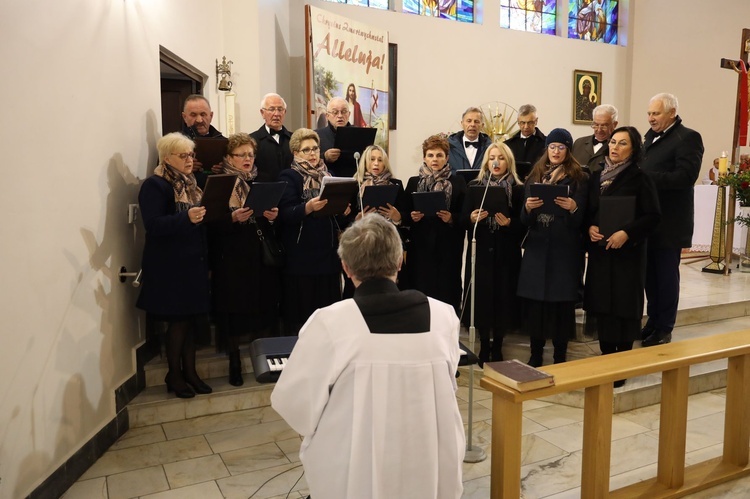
657	338
619	383
535	361
199	386
182	392
646	332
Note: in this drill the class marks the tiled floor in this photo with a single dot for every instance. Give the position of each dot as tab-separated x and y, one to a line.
253	453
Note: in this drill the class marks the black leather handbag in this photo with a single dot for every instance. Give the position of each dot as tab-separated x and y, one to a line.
272	251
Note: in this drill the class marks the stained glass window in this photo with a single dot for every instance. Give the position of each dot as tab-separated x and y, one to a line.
457	10
594	20
537	16
375	4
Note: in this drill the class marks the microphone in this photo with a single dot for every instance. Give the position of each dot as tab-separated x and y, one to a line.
359	181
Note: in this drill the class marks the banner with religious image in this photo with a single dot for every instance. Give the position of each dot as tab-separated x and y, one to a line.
347	59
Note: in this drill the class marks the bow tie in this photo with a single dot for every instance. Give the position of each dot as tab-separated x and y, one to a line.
599	142
471	144
273	132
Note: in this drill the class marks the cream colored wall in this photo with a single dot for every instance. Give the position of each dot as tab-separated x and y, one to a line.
677	47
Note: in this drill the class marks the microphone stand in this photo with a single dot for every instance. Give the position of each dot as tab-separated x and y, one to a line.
359	184
474	454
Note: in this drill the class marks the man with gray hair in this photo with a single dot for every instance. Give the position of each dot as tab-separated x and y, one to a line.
467	147
196	123
592	149
340	163
529	143
273	154
672	158
371	386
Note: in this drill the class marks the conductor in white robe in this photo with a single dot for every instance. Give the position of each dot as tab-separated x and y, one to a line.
371	385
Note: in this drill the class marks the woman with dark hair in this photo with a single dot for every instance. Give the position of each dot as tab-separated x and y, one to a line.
615	277
312	275
551	265
355	111
175	272
245	290
498	253
433	254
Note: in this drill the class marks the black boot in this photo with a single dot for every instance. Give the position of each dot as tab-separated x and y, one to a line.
560	354
188	364
175	337
537	352
235	369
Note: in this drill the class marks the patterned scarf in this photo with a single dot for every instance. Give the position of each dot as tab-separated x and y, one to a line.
553	174
186	192
433	181
312	176
505	181
370	179
241	186
611	171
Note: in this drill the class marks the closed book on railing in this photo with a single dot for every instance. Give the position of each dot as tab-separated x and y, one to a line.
517	375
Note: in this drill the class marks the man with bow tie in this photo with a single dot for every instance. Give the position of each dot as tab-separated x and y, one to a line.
273	153
467	147
672	158
528	144
592	149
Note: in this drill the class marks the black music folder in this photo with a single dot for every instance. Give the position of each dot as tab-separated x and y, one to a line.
264	196
354	139
523	168
376	196
468	175
615	212
340	192
429	203
548	193
210	151
495	202
216	195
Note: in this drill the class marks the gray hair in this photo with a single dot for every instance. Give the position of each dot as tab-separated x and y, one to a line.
336	100
526	109
300	135
194	97
669	101
172	142
472	109
607	109
371	248
269	95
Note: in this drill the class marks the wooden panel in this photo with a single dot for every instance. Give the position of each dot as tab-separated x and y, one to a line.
597	441
505	477
737	415
673	427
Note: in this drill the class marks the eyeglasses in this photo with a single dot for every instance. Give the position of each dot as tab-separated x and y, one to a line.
525	123
184	155
274	109
339	112
597	126
246	155
310	150
557	147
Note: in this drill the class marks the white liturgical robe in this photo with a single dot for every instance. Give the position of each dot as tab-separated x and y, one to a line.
378	412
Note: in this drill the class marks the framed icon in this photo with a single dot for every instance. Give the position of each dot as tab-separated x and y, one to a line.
587	94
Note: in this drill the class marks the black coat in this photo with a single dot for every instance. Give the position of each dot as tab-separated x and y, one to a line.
457	156
346	165
271	156
189	131
497	268
583	152
615	278
433	253
310	241
674	162
241	283
175	259
527	150
553	252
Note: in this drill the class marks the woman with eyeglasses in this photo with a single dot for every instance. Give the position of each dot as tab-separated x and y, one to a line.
245	290
433	254
615	277
498	253
312	275
551	266
175	286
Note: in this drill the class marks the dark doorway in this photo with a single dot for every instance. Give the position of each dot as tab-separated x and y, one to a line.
178	80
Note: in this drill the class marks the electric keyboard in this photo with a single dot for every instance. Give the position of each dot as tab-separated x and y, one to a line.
269	356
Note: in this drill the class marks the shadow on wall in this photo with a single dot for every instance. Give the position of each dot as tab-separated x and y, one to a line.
118	330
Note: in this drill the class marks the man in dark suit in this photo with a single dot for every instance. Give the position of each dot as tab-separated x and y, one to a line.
340	163
592	149
467	147
273	154
528	144
196	122
672	158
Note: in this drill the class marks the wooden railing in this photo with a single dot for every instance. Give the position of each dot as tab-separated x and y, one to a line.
596	375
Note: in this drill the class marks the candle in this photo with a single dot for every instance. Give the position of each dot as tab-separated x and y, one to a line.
723	163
